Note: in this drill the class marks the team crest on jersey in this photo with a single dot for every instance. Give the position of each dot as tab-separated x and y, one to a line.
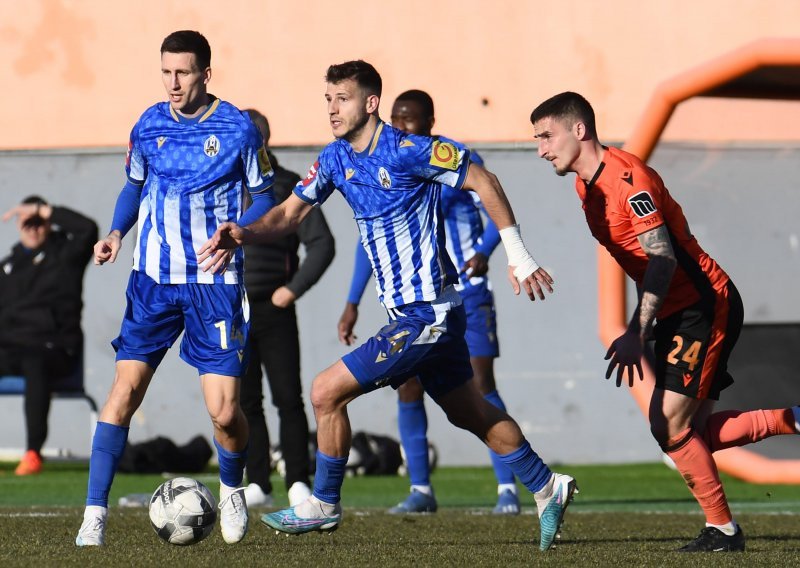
211	146
264	165
444	155
383	177
642	204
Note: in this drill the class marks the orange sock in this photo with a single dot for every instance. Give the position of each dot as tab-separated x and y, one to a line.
693	460
733	428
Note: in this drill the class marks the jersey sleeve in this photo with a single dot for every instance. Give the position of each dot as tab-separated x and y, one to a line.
317	186
641	198
258	173
436	159
135	163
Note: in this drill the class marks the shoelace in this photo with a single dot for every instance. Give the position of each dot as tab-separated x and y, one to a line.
236	499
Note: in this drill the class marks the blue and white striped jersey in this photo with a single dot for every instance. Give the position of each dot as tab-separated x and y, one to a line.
465	231
394	189
192	173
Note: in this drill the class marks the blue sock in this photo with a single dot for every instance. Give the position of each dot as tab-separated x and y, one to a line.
328	478
231	465
501	471
413	425
108	444
528	467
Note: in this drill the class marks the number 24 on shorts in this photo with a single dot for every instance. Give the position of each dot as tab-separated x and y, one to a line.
690	355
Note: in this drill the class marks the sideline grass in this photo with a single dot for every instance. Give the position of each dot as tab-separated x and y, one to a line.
625	515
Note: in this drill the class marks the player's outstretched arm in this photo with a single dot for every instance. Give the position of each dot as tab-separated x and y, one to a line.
524	272
106	250
279	221
625	353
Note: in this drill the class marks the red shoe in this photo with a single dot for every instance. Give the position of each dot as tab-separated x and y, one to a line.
31	464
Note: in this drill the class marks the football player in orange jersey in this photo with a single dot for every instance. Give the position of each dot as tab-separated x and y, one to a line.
686	302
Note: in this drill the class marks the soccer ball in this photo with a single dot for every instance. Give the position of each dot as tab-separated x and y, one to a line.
183	511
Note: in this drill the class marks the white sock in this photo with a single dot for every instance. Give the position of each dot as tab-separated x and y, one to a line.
728	528
426	489
225	491
547	491
501	487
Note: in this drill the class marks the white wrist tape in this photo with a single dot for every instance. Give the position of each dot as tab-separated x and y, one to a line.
518	255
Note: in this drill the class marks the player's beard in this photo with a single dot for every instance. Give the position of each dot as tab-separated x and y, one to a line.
358	127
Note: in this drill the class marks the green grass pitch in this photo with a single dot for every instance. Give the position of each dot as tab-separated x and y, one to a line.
625	515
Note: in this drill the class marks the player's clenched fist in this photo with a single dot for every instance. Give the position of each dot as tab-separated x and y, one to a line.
105	250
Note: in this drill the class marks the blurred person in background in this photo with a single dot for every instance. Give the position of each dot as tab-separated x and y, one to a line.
275	279
41	300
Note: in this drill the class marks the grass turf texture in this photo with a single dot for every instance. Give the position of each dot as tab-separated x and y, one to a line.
624	515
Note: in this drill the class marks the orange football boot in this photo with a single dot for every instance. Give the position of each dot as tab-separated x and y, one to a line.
31	464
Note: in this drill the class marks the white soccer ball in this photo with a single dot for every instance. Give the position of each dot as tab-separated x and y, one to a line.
183	511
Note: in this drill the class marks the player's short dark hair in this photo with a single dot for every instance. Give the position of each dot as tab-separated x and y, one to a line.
567	106
420	97
360	71
188	41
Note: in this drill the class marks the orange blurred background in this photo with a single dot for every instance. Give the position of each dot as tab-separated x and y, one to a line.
79	73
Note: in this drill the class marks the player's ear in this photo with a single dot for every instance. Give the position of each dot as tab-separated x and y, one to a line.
579	129
206	75
372	103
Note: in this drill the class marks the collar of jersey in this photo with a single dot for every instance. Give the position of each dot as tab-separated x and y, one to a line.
199	118
597	173
373	143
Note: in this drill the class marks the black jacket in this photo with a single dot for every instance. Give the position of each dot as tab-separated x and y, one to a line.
41	290
269	266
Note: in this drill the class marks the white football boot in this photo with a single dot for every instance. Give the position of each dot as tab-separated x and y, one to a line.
93	529
298	493
233	516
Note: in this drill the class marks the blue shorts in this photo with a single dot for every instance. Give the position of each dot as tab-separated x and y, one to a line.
213	316
481	332
423	339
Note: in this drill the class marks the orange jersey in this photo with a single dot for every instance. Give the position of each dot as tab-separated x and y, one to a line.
626	198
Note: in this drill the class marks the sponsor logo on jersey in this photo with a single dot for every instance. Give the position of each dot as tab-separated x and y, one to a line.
687	379
348	173
311	175
160	140
211	146
383	177
406	143
444	155
642	204
264	165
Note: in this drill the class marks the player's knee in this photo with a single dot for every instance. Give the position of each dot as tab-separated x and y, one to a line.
324	395
224	416
410	391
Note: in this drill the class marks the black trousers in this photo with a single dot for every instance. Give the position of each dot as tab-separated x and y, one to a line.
39	367
274	344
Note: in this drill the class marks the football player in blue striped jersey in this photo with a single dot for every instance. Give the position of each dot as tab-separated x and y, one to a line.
469	243
392	181
189	160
